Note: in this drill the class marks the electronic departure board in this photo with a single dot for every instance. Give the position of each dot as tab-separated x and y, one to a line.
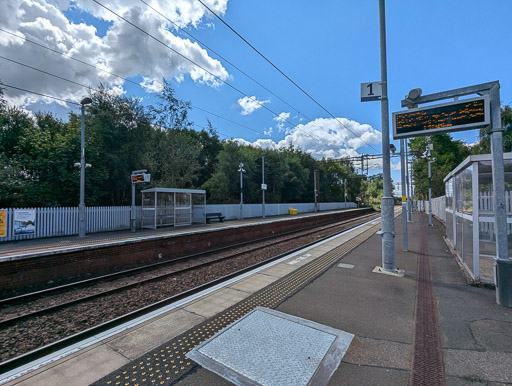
447	117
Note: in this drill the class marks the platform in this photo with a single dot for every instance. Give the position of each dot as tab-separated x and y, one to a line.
331	284
50	245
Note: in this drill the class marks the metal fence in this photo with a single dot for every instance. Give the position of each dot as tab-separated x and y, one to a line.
54	222
438	207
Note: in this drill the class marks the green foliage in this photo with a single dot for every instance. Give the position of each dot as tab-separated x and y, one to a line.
37	157
447	154
484	145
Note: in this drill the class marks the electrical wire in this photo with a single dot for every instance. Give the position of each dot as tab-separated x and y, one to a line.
209	72
240	70
281	72
108	72
38	93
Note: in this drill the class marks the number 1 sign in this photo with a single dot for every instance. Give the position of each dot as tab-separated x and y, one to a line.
371	91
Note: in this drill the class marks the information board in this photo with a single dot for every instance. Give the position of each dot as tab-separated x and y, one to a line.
443	118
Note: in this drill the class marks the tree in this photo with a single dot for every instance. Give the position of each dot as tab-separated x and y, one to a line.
484	144
447	154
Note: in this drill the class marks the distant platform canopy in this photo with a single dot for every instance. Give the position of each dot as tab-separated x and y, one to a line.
173	207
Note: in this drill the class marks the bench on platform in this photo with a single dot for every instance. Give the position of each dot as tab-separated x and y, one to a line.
211	216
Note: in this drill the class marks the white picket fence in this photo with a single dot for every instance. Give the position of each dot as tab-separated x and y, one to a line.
54	222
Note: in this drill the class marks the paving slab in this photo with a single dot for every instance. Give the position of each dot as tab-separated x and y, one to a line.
253	283
149	336
216	302
82	369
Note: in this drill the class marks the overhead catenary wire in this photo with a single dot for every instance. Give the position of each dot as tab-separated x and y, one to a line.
209	72
281	72
192	105
38	93
128	80
243	72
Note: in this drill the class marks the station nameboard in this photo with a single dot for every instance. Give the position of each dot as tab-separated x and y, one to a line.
459	115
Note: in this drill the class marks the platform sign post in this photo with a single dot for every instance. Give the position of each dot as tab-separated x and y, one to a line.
137	177
464	115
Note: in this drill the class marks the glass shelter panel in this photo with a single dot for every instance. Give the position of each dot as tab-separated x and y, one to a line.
487	237
449	209
467	218
458	213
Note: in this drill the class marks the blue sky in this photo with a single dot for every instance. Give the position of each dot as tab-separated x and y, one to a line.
328	47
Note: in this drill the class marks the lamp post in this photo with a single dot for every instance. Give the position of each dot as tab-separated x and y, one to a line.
429	157
242	171
81	206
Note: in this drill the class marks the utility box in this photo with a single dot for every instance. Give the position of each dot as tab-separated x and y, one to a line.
503	275
293	211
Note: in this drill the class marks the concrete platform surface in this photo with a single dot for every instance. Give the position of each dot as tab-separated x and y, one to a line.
475	333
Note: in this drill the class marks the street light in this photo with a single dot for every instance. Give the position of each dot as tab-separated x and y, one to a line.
242	171
81	206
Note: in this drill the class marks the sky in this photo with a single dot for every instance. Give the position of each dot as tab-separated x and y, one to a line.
327	47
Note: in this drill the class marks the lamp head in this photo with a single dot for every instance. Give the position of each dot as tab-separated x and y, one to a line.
86	101
415	93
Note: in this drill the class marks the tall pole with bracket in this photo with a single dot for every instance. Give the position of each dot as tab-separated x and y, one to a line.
388	225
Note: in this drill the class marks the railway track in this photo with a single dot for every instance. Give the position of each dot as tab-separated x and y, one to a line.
202	265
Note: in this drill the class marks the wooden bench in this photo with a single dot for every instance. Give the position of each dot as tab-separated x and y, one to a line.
211	216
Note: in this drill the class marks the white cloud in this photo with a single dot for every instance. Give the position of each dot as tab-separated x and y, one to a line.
268	132
282	117
250	104
325	138
123	50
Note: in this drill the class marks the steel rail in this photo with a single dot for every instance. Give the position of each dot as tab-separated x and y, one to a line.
39	353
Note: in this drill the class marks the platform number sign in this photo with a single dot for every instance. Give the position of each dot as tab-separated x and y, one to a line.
371	91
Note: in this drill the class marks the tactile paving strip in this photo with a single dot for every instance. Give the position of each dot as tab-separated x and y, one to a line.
168	363
428	368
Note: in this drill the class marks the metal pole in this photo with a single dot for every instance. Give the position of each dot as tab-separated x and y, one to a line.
388	225
408	186
315	188
241	194
498	176
345	191
81	205
133	209
502	265
262	183
404	198
429	144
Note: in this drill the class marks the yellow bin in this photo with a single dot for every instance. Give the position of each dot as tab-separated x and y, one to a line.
293	211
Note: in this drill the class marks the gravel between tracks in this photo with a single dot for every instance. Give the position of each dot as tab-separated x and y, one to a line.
32	333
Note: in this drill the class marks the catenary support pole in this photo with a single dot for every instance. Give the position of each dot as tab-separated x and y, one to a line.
81	205
387	201
429	150
404	198
315	173
262	184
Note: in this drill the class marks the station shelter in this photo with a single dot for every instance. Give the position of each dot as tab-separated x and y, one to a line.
470	214
173	207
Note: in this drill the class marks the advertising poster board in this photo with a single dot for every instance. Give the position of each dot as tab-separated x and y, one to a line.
24	221
3	223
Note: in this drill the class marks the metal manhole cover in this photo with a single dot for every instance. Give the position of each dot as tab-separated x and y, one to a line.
268	347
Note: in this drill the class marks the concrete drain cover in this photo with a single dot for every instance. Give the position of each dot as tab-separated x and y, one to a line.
268	347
